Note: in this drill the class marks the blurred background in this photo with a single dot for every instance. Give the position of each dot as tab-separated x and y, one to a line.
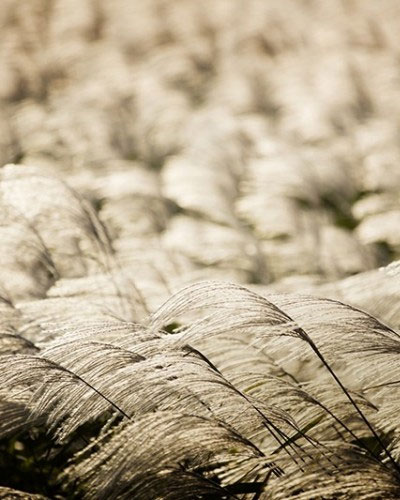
256	141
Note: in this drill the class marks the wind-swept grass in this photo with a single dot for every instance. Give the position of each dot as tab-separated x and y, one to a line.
196	299
179	416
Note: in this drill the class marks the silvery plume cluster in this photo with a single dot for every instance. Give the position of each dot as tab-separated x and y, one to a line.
199	244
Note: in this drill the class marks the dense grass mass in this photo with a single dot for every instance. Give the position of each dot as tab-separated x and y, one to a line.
199	247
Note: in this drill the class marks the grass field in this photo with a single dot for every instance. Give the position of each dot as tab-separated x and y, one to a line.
199	249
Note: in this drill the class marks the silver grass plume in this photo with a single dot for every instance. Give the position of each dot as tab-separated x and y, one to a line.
270	420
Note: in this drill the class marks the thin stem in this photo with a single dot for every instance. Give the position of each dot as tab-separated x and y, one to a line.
62	368
311	343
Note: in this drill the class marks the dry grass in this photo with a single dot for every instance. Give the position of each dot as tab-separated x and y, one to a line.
199	244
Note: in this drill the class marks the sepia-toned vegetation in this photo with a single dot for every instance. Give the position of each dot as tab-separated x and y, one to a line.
200	249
